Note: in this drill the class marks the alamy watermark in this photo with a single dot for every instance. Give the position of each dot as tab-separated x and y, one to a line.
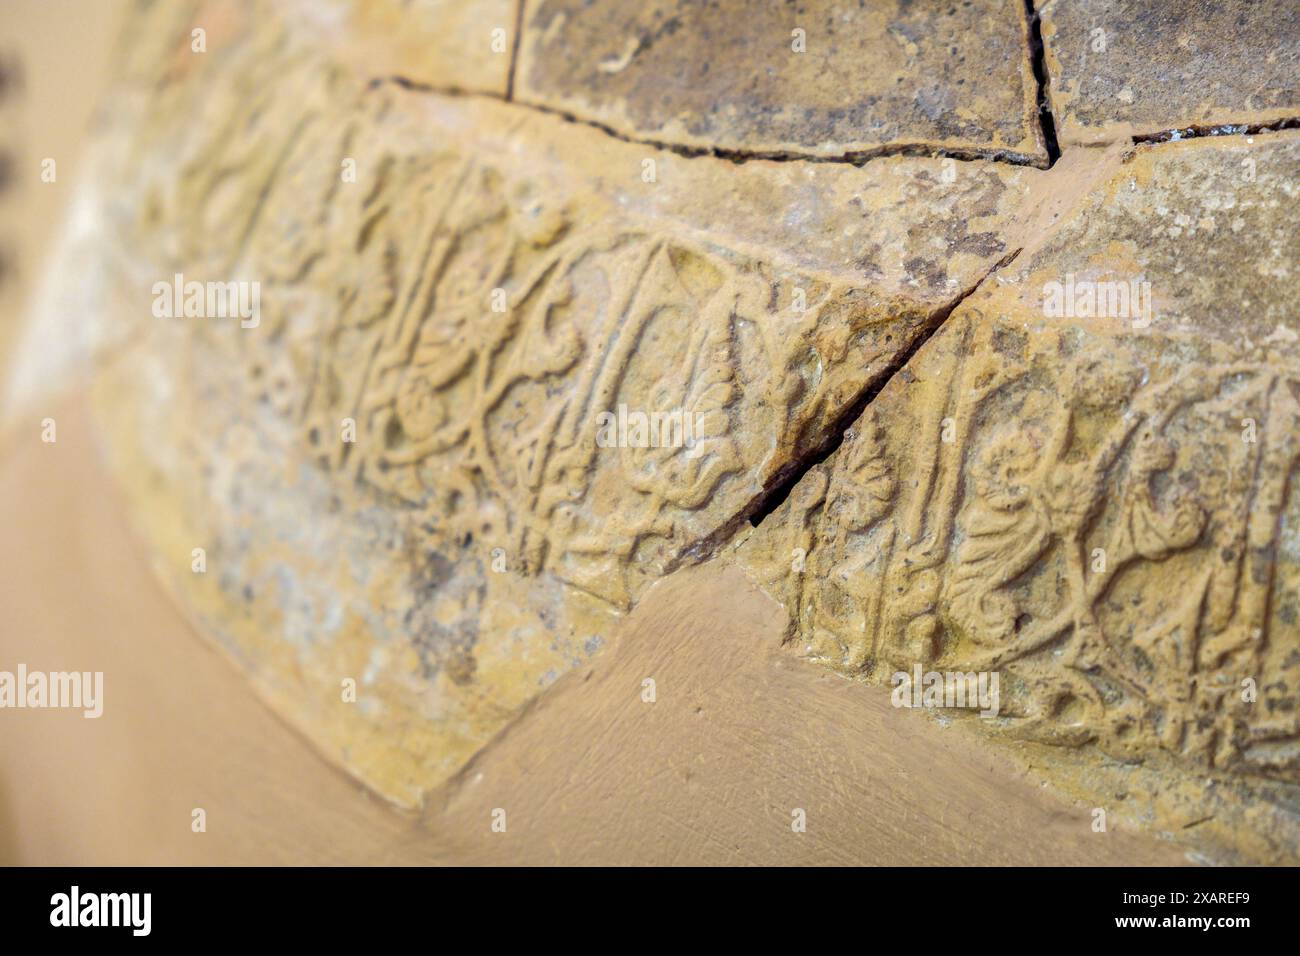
70	690
130	910
1089	299
947	689
208	300
638	429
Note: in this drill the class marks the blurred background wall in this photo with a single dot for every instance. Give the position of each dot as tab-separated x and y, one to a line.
55	58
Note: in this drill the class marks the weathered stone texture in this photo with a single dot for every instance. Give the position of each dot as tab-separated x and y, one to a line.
1082	480
715	76
493	281
1095	500
1122	68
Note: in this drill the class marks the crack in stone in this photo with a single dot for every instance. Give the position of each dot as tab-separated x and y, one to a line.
737	156
859	157
788	476
1037	60
785	480
1178	134
514	51
771	499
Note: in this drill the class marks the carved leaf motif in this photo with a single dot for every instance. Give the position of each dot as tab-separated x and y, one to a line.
863	496
686	474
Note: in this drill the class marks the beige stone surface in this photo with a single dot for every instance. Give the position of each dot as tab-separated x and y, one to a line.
712	76
1096	501
1136	68
1075	389
403	479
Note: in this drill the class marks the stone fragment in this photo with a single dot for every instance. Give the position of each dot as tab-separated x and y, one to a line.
1124	68
1085	483
819	79
449	448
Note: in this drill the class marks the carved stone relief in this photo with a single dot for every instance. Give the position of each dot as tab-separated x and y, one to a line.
506	372
504	368
1099	507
